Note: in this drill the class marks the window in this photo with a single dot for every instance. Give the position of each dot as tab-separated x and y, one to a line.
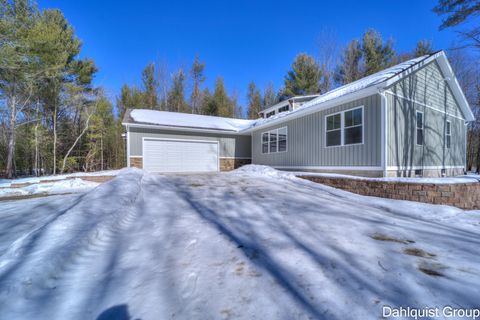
353	133
344	128
419	116
334	130
282	139
448	138
265	142
275	140
271	113
283	109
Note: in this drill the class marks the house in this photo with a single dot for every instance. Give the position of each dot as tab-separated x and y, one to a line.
407	120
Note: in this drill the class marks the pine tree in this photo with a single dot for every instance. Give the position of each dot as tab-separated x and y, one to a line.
303	78
176	96
269	96
198	78
254	101
424	47
377	55
458	12
150	87
130	98
223	105
208	106
349	69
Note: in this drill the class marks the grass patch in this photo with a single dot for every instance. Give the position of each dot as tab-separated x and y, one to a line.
384	237
418	253
196	185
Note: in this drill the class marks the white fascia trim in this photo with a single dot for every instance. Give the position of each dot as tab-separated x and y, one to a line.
136	156
423	105
186	129
316	108
451	79
359	168
420	167
128	146
384	129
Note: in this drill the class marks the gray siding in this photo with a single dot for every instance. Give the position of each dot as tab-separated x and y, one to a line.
426	91
231	146
306	140
402	148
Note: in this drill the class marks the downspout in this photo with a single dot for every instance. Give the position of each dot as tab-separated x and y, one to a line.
384	126
128	146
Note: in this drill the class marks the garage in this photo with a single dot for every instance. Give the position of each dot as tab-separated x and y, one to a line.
178	155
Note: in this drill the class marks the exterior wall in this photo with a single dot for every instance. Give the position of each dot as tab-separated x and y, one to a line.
136	162
306	141
461	195
231	146
424	91
231	164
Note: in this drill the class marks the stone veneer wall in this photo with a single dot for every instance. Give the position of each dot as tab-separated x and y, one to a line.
231	164
461	195
136	162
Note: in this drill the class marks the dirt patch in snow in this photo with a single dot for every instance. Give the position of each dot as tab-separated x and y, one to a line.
384	237
418	253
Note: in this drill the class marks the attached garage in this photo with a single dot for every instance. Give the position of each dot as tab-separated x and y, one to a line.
179	155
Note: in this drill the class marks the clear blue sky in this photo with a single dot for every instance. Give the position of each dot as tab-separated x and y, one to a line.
240	40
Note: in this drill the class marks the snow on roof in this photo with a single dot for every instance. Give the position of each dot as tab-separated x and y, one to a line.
366	82
176	119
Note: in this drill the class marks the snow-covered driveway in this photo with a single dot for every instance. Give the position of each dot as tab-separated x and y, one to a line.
231	246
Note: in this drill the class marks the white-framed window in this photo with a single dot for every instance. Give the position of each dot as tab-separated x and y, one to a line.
270	114
334	130
265	142
274	141
344	128
283	109
448	134
419	128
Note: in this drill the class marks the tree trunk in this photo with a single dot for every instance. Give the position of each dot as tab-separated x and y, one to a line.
36	165
87	123
101	155
11	139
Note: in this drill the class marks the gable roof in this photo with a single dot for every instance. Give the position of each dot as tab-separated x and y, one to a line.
375	83
171	120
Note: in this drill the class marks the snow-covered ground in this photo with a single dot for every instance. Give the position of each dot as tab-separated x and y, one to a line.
8	182
52	187
252	244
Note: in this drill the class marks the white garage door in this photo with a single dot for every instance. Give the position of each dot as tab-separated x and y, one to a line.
165	155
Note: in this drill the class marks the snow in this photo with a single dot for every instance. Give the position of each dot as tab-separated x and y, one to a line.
369	81
8	182
251	244
189	120
423	180
53	187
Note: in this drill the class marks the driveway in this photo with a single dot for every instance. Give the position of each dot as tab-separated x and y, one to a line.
242	245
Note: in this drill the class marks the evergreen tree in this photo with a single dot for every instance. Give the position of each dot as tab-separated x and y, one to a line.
130	98
176	96
269	96
377	54
424	47
349	69
457	12
150	87
198	78
208	106
254	101
223	105
304	78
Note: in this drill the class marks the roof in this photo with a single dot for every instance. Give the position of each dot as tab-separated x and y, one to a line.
171	120
375	83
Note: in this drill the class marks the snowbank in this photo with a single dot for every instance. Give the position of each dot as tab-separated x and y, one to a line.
54	187
260	170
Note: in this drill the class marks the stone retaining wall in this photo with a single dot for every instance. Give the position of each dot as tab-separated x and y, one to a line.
461	195
231	164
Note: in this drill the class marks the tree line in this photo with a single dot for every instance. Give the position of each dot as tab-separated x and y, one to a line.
53	118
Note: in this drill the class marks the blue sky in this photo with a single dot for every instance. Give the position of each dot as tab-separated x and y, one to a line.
239	40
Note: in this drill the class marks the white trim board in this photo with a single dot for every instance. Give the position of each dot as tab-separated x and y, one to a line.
423	104
184	129
423	167
359	168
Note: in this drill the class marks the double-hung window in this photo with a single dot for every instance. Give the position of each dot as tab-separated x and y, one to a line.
275	140
334	130
448	134
344	128
419	128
